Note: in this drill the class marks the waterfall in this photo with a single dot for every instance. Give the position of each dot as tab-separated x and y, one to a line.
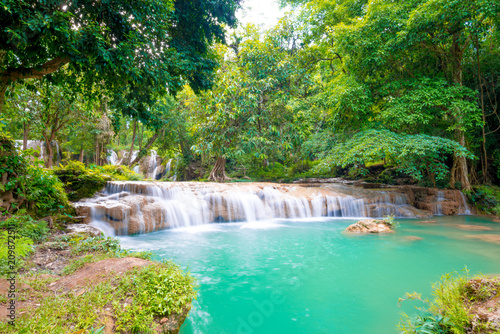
141	207
438	210
464	207
36	144
112	157
152	165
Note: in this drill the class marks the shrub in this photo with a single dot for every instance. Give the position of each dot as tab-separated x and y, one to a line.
43	191
486	199
23	247
119	173
164	288
80	182
26	226
28	185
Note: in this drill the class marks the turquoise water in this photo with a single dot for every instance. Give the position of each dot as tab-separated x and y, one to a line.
308	277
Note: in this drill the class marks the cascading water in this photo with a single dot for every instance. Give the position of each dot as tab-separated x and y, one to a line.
439	206
152	165
464	207
35	144
112	157
141	207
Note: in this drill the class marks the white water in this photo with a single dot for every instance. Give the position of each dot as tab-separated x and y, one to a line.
36	144
112	157
439	206
145	206
152	165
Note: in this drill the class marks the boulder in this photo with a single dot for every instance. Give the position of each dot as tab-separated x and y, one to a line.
85	229
370	226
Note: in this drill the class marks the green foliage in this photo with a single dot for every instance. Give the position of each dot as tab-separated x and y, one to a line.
416	155
150	290
118	173
26	226
97	244
164	289
485	198
427	324
117	45
23	248
447	313
43	191
80	182
32	186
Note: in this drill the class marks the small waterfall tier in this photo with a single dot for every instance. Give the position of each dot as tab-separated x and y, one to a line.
141	207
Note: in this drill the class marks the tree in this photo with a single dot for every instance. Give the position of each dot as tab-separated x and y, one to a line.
417	155
379	61
153	45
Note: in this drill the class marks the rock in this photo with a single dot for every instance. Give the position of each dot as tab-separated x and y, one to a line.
427	222
412	238
486	237
370	226
83	228
474	227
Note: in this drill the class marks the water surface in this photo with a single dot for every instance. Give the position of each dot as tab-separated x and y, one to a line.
306	276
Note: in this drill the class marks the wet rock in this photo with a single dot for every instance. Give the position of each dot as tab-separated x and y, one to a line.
370	226
486	237
412	238
427	222
474	227
85	229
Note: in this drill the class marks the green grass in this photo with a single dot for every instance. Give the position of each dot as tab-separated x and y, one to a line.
152	292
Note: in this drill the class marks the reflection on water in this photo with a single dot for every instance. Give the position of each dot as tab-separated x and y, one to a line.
308	277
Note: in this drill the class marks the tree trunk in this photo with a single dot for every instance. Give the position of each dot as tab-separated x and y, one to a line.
81	154
3	89
459	171
50	153
218	173
26	130
96	152
101	154
484	160
132	146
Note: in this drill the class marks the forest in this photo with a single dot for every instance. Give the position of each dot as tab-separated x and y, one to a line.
344	109
333	89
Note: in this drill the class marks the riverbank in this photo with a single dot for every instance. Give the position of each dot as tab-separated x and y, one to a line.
77	280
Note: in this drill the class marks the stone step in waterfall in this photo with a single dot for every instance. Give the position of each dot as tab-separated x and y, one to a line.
141	207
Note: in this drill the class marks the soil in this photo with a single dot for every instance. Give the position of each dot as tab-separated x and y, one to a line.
52	257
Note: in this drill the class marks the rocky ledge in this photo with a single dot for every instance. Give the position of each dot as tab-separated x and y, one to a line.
370	226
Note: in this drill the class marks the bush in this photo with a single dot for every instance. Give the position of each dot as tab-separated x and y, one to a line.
164	288
26	226
28	185
43	191
80	182
486	199
455	295
23	247
119	173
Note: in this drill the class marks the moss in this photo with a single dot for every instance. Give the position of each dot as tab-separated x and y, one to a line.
80	182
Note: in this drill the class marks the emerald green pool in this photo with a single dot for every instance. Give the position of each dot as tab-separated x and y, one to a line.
308	277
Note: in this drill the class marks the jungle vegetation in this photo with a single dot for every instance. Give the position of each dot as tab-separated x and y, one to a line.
334	89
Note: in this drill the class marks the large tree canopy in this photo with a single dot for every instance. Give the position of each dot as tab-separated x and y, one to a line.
152	45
